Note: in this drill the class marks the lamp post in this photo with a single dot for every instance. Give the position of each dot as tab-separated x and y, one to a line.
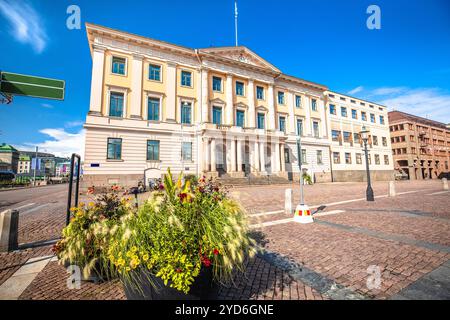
299	156
365	137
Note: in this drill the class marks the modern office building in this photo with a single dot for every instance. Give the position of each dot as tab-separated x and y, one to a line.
221	111
347	116
420	147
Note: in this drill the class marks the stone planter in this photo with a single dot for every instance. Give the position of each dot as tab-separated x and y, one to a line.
203	288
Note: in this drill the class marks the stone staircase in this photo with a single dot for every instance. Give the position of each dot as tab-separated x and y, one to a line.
254	180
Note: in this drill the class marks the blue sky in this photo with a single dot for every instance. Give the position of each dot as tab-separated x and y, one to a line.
405	65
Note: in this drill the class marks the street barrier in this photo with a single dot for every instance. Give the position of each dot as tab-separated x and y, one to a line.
445	183
303	214
392	192
288	196
9	226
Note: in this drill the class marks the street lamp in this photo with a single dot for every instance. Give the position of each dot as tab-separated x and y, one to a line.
365	137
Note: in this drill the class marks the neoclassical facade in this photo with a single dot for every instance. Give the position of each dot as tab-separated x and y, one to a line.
223	112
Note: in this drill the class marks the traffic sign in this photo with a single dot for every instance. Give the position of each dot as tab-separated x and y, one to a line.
23	85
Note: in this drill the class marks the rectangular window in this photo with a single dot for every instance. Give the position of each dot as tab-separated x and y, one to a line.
118	65
384	141
186	151
336	158
347	136
280	97
375	140
314	105
116	104
114	149
152	150
335	135
356	138
343	111
377	159
154	72
319	157
261	120
282	124
358	158
316	129
217	115
354	114
348	158
239	88
304	156
332	109
186	78
186	108
298	101
372	118
381	119
217	84
153	109
286	156
386	159
240	118
300	127
363	116
259	93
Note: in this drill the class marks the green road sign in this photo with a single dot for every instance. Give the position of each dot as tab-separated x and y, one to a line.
23	85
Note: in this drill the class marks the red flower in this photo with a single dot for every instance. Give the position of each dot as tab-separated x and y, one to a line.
115	188
161	187
179	270
206	262
91	190
216	252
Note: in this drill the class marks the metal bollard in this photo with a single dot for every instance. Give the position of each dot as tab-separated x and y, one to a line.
392	192
9	227
445	183
288	196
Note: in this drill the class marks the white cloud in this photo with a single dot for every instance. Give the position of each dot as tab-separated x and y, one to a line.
46	105
356	90
431	103
61	143
27	25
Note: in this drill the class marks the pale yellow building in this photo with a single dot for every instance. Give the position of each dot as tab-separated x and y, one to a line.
221	111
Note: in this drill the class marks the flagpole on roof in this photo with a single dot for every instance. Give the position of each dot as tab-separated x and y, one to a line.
236	21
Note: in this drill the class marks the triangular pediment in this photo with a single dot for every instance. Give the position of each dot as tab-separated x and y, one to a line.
240	54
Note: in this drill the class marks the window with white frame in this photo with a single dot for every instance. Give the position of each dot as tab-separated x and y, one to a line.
118	65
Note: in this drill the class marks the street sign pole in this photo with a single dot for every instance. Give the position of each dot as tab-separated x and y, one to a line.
35	167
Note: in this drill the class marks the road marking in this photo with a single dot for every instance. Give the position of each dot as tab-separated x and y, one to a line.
12	288
35	208
265	213
24	206
330	204
440	192
271	223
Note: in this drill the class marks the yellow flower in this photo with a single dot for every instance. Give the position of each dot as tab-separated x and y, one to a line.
91	204
145	257
127	268
133	249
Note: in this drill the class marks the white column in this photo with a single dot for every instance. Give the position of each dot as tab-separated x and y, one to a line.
98	62
307	125
229	154
206	150
239	155
262	155
283	160
271	113
291	105
213	155
323	130
136	88
205	96
256	156
276	146
229	118
233	155
171	85
251	104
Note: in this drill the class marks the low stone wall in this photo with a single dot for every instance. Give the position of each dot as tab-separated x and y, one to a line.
105	181
361	175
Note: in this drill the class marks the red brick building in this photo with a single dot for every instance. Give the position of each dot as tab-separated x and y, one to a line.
420	147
